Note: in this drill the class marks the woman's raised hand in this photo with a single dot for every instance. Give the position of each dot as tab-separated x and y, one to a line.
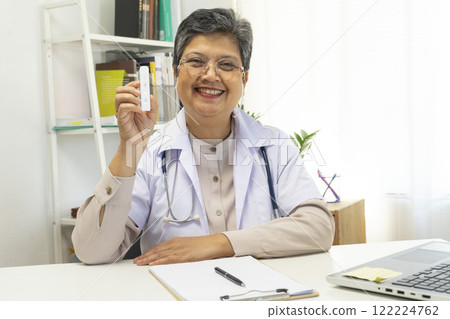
133	122
135	128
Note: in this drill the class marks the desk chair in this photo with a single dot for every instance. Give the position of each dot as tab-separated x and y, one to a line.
135	249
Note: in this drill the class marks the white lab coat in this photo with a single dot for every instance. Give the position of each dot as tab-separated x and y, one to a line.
292	184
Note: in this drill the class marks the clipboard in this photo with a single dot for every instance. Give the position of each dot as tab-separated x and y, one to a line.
198	281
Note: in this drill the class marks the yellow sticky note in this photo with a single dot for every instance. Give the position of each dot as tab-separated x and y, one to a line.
373	274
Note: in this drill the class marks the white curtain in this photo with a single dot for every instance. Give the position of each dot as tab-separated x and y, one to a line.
374	78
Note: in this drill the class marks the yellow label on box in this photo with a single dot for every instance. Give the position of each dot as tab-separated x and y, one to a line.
107	82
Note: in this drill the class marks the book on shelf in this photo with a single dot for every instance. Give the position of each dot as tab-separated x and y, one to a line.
166	88
129	66
121	54
154	88
146	19
109	76
165	21
162	83
107	82
149	60
128	18
155	20
151	15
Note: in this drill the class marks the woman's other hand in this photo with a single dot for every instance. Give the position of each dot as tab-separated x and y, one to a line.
186	249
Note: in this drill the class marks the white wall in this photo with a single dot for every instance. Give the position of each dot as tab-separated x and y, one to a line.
373	77
25	219
187	6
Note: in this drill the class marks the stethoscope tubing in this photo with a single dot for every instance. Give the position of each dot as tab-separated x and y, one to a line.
270	183
172	217
189	218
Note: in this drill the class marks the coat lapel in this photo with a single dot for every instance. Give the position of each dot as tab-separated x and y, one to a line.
249	138
177	138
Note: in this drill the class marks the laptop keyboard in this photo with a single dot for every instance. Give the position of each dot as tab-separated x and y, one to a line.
436	278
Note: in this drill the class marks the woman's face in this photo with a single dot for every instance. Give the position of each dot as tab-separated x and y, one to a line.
209	97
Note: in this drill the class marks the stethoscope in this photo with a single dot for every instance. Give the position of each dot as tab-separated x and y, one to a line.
171	218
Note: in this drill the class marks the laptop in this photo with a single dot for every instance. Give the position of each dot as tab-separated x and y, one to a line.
422	273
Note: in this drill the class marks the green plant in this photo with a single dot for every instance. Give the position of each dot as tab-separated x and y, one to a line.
252	114
303	141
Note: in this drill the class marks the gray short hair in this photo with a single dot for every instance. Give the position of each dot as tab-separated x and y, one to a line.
208	21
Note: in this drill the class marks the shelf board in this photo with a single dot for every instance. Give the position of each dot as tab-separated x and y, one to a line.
69	221
79	130
105	39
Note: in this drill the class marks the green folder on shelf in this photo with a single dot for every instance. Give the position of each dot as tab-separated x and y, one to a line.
107	81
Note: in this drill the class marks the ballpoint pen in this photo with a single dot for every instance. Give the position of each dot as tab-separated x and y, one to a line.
228	276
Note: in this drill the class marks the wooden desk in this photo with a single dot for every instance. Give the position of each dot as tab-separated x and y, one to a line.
349	217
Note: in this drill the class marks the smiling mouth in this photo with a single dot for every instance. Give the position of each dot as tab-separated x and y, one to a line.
209	91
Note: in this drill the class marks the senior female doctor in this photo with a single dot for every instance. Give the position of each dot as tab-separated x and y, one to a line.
202	187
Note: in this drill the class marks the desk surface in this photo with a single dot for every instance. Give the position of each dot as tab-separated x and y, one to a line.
126	281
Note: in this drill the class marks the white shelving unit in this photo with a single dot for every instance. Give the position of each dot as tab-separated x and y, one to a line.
89	42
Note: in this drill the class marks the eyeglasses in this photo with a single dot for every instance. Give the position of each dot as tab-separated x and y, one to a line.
197	65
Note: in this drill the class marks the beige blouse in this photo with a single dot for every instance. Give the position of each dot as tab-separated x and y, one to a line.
308	228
